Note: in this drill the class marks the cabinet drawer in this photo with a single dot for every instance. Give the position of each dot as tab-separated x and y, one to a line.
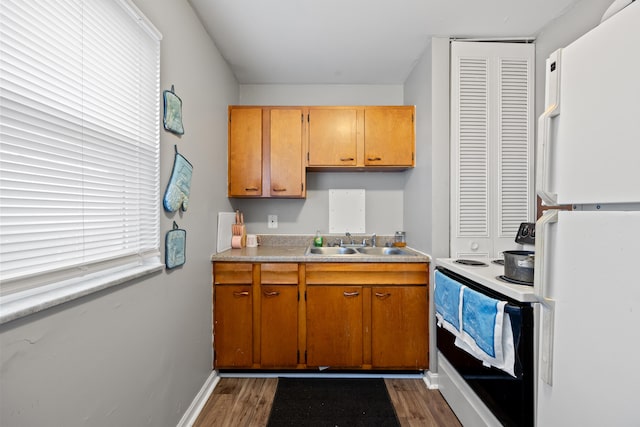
279	273
367	274
232	273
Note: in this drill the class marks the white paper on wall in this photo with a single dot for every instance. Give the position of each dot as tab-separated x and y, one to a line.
347	211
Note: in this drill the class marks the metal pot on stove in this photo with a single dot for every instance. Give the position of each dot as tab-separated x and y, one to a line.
518	265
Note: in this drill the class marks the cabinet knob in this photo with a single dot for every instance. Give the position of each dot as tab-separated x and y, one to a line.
346	159
372	159
251	189
279	189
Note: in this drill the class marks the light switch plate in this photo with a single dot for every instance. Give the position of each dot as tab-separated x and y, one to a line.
347	211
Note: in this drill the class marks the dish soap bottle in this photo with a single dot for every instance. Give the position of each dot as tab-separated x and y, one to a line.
317	241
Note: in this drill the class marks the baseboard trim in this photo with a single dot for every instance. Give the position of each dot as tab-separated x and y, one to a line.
431	380
190	416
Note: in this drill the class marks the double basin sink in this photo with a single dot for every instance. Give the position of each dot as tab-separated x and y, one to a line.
348	251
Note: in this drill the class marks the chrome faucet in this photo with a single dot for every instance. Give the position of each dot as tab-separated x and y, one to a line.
351	241
372	240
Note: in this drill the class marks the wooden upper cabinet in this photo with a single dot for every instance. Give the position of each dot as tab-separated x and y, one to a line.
389	136
286	152
332	137
266	152
270	147
361	138
245	152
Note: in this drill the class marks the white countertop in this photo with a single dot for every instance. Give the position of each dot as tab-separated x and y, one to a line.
487	276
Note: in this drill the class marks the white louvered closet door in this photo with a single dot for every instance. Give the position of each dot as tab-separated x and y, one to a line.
492	108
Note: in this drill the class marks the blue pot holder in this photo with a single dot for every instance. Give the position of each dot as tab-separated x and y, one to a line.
177	194
174	247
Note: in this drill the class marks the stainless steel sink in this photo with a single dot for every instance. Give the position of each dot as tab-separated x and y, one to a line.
331	250
340	250
383	251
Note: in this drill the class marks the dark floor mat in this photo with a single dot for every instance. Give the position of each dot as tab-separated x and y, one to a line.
332	402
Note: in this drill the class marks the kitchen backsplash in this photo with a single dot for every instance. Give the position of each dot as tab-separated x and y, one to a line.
307	239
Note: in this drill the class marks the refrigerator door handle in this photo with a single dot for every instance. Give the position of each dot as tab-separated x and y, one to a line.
543	173
543	155
548	304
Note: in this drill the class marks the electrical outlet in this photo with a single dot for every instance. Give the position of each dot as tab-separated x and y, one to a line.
272	221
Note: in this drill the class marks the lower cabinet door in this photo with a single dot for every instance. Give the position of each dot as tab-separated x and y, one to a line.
334	326
233	326
399	327
279	326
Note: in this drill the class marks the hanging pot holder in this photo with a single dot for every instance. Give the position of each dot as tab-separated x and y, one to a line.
177	194
172	119
174	247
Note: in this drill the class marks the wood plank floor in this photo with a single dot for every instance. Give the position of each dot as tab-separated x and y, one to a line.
247	402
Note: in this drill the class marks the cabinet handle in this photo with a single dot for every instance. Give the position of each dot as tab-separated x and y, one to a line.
279	189
241	294
351	294
346	159
371	159
270	293
251	189
383	295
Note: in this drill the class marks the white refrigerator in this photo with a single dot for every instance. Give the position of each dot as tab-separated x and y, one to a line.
587	272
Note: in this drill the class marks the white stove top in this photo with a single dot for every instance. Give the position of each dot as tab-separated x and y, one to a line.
487	275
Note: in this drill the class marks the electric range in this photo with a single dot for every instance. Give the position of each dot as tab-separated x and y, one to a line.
487	274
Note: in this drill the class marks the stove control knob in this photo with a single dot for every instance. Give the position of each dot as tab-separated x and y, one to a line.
474	246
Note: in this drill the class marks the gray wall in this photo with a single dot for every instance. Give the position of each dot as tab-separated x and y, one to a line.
137	354
426	213
418	208
427	194
384	191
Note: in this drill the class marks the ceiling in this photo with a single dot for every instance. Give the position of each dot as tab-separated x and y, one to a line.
355	41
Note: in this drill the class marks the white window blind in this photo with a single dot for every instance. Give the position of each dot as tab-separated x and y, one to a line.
79	139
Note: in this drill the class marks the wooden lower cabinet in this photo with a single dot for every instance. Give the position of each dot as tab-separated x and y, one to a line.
399	327
338	315
279	326
367	315
334	326
233	326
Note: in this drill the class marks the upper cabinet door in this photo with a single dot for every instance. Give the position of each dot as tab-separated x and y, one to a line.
332	137
286	141
389	136
245	152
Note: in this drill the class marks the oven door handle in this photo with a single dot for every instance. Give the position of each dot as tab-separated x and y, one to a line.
540	285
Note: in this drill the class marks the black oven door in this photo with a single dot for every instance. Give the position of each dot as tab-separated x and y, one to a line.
509	399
